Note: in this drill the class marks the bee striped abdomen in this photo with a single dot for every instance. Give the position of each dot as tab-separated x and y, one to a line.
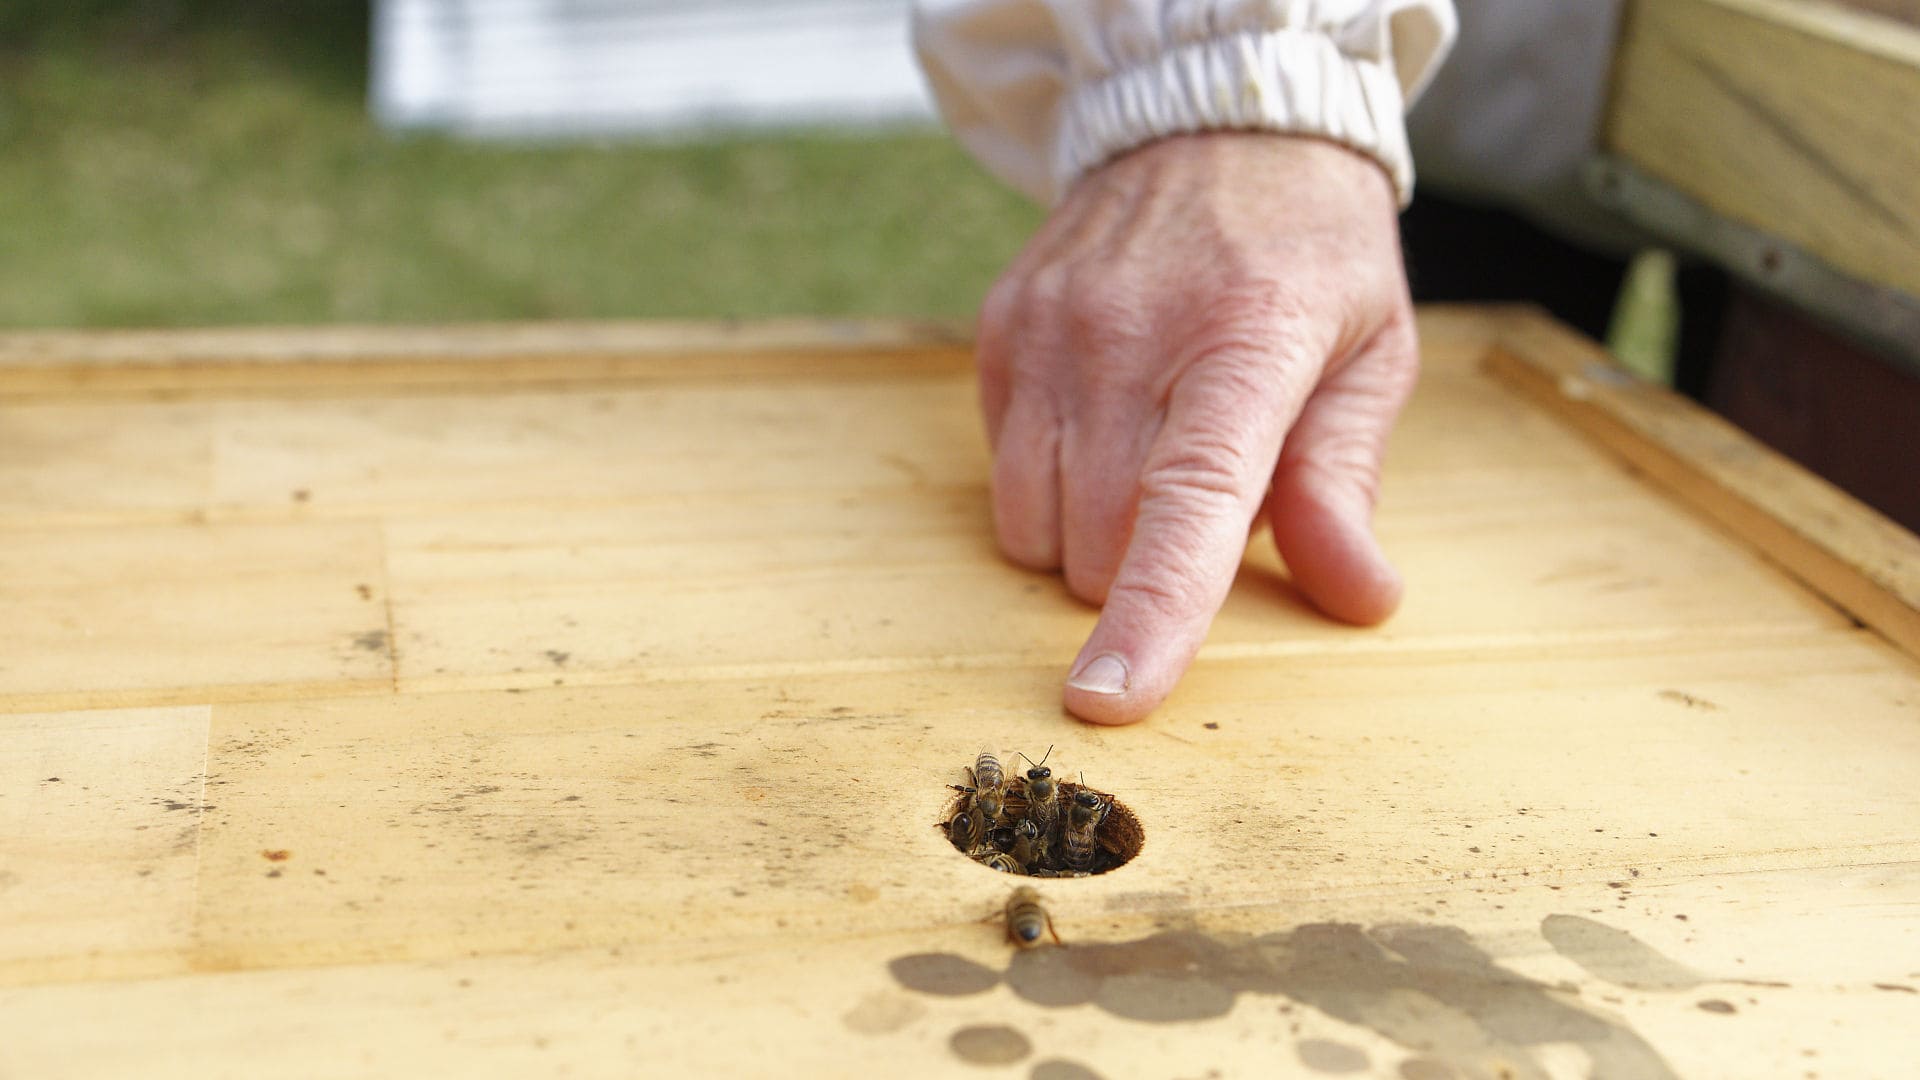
1027	919
966	830
998	860
987	775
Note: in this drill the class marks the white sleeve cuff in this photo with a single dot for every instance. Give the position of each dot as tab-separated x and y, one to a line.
1288	80
1042	91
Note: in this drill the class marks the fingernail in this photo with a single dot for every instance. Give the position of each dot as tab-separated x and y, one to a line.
1104	674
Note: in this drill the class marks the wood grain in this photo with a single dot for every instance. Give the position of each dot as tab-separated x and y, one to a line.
600	725
1797	119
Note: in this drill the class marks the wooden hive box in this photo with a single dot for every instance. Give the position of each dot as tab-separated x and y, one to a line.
580	699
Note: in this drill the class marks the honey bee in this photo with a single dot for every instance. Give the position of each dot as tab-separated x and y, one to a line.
1077	838
999	860
1043	807
985	797
965	830
1029	846
1026	918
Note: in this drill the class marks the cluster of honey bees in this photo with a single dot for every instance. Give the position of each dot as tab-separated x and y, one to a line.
1038	825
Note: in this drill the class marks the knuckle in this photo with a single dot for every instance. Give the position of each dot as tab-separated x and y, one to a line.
1217	447
1104	304
1256	304
1000	307
1046	292
1206	471
1257	336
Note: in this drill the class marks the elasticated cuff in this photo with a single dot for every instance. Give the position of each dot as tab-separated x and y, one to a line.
1286	81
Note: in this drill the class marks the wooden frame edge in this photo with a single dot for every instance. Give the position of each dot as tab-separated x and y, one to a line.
1857	559
65	363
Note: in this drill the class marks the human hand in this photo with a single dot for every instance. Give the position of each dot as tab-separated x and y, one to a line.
1208	324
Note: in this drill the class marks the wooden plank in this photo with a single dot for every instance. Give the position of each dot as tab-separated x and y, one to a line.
100	817
670	819
1856	558
278	359
611	839
912	580
147	615
121	461
1801	120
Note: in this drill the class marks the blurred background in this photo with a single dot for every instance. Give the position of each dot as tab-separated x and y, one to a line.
198	162
168	163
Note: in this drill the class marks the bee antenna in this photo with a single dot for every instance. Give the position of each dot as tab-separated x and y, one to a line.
1045	756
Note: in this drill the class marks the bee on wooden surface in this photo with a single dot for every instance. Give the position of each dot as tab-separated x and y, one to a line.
999	860
1077	836
1026	918
1043	806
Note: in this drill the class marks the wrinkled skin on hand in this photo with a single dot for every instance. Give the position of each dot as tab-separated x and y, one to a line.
1211	330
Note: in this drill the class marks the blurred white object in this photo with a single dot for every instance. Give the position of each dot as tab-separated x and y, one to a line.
597	67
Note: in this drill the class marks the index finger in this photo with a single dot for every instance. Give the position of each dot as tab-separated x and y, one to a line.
1204	479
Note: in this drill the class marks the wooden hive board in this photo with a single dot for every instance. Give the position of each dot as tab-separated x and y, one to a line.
1798	119
581	699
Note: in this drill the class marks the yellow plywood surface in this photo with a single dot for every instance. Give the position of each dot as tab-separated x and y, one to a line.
600	725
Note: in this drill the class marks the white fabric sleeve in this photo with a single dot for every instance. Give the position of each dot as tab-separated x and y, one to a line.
1043	90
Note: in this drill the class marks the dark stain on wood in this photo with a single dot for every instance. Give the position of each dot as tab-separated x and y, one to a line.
989	1044
1681	697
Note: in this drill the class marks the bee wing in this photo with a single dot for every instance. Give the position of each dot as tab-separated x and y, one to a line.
1013	802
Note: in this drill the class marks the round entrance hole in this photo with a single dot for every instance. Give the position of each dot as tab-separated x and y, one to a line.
1036	824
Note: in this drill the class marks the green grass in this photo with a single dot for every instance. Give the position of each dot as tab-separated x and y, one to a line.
159	167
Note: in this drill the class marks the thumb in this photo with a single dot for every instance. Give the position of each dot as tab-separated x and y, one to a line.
1328	480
